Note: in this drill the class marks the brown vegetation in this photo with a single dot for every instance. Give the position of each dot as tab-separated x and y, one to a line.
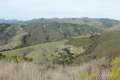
30	71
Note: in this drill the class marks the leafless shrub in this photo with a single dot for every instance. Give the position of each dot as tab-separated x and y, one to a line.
30	71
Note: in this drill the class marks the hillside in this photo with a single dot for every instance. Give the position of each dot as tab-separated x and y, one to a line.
65	49
37	31
82	48
41	39
108	44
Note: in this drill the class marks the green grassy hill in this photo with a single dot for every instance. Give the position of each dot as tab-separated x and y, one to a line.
109	44
46	40
37	52
105	45
46	30
86	48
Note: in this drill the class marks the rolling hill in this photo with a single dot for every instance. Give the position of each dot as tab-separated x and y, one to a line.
44	40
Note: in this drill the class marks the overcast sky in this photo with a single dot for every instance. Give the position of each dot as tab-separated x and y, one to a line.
29	9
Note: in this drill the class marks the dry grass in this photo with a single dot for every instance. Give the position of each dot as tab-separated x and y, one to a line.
30	71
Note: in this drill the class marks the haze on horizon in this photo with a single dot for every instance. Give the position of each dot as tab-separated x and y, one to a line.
29	9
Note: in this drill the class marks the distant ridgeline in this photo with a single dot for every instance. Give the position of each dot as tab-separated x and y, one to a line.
20	34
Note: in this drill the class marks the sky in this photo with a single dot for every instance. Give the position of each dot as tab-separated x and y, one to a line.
30	9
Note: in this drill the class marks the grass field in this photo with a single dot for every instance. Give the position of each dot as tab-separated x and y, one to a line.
109	45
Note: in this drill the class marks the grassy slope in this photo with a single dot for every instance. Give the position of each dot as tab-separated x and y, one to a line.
32	32
38	52
109	44
44	52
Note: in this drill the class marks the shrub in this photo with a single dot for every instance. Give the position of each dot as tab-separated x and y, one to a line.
15	58
115	69
64	56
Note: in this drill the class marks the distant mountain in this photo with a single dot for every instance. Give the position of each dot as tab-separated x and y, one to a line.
84	20
8	21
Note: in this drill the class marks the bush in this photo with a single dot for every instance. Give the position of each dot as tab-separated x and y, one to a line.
64	56
15	58
115	69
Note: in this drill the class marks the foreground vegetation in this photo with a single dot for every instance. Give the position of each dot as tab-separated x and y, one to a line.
95	70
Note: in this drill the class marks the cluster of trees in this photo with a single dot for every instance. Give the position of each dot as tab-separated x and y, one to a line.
14	58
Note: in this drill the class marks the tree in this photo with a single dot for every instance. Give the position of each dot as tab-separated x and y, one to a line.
64	56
